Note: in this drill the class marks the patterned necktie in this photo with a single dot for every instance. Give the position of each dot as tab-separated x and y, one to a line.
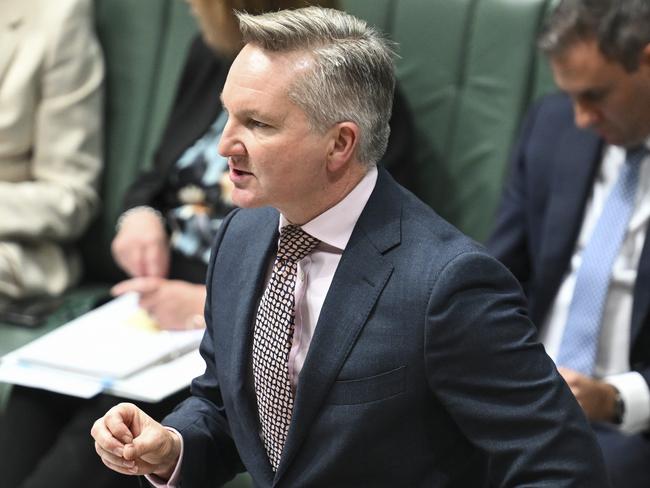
272	341
579	344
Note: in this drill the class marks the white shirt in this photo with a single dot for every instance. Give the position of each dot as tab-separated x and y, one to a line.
315	273
613	356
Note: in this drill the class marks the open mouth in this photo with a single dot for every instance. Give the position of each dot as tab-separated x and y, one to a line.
237	171
238	175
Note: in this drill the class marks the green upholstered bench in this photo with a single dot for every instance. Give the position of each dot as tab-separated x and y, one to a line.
144	44
469	69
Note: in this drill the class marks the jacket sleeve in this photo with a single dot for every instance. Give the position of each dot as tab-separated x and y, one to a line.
201	419
498	384
59	199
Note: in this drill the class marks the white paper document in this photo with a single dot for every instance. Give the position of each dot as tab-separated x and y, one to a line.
114	348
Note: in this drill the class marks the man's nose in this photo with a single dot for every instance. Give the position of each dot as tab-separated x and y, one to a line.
584	115
230	144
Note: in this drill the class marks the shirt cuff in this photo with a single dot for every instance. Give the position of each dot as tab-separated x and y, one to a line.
174	479
636	396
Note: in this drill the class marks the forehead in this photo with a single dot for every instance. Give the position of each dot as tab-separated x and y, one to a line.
582	66
258	76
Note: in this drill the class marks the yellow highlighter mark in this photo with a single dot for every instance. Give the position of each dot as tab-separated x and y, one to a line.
141	320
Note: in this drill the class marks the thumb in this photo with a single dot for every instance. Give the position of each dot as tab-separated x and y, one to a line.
129	452
147	446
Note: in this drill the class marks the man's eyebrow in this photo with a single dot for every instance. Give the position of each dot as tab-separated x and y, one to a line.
249	113
593	93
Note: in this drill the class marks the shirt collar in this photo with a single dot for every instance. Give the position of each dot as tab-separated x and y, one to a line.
334	226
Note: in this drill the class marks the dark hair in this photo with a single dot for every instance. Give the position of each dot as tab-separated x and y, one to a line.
257	7
621	28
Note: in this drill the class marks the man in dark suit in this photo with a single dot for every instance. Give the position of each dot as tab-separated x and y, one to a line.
559	221
353	337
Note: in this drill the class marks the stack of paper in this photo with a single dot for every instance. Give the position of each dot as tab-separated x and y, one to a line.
115	348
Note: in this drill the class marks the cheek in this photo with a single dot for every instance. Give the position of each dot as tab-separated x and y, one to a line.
631	104
295	163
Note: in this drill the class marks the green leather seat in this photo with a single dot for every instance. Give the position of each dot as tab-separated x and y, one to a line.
469	69
144	45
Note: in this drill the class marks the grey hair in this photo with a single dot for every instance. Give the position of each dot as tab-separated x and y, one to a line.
353	75
621	28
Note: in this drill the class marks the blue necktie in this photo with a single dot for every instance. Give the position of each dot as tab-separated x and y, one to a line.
580	340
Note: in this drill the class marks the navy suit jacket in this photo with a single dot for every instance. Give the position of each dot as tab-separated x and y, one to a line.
552	174
423	368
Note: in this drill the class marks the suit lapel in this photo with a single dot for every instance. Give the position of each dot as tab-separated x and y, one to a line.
9	35
252	270
577	160
357	284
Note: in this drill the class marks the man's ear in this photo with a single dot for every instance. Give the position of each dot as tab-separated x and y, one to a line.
345	138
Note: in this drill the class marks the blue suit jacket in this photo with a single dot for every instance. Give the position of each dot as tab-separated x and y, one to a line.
553	169
422	368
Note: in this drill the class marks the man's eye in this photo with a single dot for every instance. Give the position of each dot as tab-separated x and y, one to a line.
257	124
594	96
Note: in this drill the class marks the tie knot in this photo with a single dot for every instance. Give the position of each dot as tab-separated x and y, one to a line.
635	155
295	243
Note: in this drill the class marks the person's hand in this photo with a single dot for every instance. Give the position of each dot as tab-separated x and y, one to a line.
596	397
173	304
130	442
141	247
